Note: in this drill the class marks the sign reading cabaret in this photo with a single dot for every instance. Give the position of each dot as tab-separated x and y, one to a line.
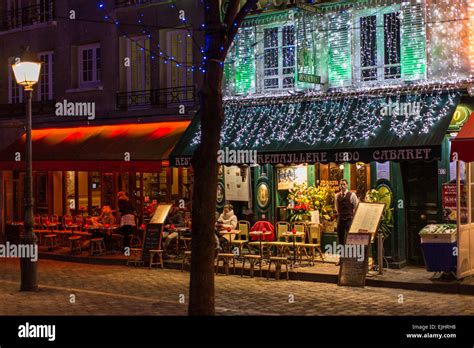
335	156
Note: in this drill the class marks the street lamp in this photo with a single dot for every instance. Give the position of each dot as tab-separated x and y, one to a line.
27	75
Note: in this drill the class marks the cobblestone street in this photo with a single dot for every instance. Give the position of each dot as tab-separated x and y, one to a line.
119	290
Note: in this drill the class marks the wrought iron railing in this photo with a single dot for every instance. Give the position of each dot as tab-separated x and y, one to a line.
42	12
162	97
18	110
125	3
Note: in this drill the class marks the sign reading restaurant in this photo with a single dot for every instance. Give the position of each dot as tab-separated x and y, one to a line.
426	153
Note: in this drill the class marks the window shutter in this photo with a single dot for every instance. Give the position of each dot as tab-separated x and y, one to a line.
339	50
413	42
228	84
245	61
307	69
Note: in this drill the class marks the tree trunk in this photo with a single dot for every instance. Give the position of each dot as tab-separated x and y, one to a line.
205	168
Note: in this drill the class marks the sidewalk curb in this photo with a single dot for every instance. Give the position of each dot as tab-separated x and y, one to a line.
447	288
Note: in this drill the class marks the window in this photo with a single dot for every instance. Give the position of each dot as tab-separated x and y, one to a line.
15	92
379	45
89	65
278	68
45	83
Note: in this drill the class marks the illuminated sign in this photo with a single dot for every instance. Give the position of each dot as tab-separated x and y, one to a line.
460	116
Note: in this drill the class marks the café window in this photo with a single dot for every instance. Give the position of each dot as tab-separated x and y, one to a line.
15	92
378	45
45	83
277	59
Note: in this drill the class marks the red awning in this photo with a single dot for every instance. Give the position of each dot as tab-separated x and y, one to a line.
462	147
129	147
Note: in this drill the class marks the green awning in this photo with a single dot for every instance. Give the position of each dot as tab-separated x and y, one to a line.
365	128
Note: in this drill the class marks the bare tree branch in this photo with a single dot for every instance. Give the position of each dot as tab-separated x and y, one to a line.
231	12
235	25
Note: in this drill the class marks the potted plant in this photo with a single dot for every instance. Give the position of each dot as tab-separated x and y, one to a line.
376	196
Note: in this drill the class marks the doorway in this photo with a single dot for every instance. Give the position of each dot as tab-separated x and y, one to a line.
421	194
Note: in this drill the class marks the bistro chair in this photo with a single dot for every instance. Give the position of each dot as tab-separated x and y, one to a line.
278	261
281	244
159	256
252	259
242	238
50	241
67	221
88	221
97	245
79	221
45	221
186	259
37	224
226	258
75	243
54	222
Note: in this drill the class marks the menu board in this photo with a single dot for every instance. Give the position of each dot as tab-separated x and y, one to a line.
353	270
152	240
367	217
160	214
237	184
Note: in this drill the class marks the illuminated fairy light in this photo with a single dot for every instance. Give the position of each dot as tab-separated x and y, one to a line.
315	123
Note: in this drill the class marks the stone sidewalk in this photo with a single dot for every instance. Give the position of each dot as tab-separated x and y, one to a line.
120	290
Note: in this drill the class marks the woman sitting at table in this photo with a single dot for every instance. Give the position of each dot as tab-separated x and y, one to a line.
106	217
228	218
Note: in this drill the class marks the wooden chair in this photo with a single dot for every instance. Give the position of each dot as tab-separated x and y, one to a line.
97	244
281	244
135	257
117	242
278	261
314	235
51	240
159	254
187	257
242	239
252	259
226	258
75	243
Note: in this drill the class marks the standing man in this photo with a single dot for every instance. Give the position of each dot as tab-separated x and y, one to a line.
346	204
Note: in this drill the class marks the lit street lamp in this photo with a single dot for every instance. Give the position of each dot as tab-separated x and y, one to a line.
27	75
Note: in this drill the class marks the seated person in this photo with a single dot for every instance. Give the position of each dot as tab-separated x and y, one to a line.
175	217
106	217
221	241
227	219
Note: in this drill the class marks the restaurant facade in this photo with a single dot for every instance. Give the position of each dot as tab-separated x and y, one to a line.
361	90
143	101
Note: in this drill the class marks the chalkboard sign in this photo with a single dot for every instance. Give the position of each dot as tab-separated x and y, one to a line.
152	240
354	261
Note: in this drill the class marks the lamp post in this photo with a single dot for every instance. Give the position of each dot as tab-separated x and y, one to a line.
27	75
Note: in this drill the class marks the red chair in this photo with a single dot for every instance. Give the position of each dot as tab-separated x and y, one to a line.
37	223
54	222
79	221
45	221
67	221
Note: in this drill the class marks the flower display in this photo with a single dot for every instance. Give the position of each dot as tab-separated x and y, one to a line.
309	198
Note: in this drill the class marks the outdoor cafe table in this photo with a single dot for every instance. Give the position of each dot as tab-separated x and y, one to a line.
294	235
229	233
260	235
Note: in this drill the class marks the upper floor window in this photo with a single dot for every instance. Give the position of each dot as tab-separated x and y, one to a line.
89	65
21	13
45	83
378	45
278	66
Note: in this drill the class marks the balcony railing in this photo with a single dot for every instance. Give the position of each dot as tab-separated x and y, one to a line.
164	97
42	12
125	3
18	111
